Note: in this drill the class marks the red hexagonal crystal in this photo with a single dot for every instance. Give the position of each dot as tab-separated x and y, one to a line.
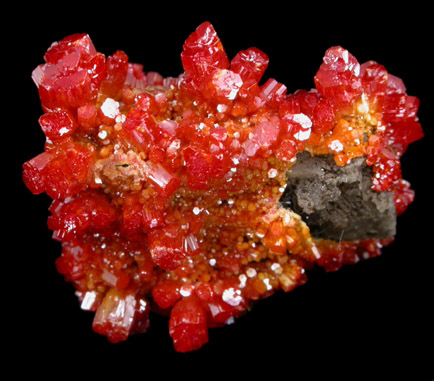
203	52
188	324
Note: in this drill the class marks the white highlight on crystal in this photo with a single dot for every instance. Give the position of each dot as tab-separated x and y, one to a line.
212	262
231	320
88	300
336	146
232	297
286	219
222	108
357	70
316	252
363	106
272	173
303	120
63	130
276	268
38	75
266	281
108	277
191	243
143	305
242	278
345	56
251	272
184	291
102	134
120	118
302	135
110	108
196	210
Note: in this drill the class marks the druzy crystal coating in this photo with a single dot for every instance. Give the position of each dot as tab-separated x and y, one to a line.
166	190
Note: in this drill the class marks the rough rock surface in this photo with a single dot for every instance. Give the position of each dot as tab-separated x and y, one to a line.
337	202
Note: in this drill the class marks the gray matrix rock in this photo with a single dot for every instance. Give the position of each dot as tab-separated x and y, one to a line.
338	203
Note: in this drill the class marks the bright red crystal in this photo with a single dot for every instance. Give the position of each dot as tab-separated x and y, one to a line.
120	314
188	325
166	190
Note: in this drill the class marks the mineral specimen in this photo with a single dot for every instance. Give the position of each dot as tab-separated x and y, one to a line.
198	195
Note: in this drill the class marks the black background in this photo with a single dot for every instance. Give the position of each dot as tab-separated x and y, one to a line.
364	318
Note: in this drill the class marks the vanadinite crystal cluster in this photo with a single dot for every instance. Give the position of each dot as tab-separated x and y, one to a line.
167	191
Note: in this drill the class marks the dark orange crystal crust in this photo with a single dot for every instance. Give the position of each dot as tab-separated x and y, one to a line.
166	190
